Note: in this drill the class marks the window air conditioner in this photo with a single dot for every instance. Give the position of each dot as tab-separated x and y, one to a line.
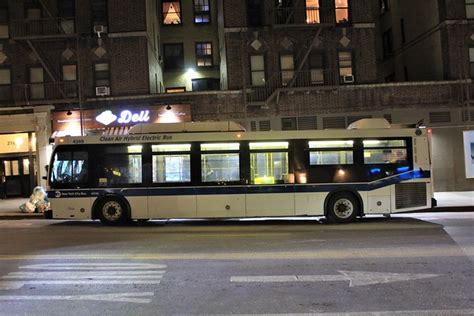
101	91
100	29
348	79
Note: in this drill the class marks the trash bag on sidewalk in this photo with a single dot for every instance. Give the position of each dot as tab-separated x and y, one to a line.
38	202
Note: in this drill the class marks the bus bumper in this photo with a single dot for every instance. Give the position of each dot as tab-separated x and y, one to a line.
48	214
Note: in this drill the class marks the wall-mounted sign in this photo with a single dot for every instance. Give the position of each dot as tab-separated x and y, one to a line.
64	124
16	143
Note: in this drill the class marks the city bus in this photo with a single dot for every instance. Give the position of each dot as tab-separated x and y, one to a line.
219	170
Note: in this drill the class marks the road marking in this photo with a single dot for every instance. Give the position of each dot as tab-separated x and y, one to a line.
437	312
109	297
94	266
355	278
15	285
353	253
83	274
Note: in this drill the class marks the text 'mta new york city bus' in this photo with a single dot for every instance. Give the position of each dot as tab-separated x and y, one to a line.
218	170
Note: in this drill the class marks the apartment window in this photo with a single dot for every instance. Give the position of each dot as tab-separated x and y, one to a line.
471	61
99	12
257	69
5	84
171	12
316	67
204	54
173	56
345	66
384	6
102	75
342	11
387	42
202	12
470	9
287	66
205	84
312	12
66	8
176	90
36	83
255	12
69	72
4	33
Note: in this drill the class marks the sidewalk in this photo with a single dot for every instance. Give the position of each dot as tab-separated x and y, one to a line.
447	202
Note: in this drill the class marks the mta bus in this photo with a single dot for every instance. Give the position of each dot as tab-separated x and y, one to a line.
219	170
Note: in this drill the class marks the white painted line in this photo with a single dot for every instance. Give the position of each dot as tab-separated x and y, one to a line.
91	274
94	266
88	277
355	278
109	297
15	285
437	312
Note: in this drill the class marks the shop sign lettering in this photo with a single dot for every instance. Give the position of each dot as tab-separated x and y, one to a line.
125	117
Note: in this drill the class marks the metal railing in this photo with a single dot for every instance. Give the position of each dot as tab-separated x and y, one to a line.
299	16
291	79
66	90
42	27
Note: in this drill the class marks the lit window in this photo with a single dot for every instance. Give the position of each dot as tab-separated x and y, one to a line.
176	90
257	68
312	12
102	75
202	12
385	151
342	11
171	12
204	54
331	152
268	162
171	163
222	165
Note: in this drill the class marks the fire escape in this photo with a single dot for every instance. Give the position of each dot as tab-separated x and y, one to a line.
37	34
295	15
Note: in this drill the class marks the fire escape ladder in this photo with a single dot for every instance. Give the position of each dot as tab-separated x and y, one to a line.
263	95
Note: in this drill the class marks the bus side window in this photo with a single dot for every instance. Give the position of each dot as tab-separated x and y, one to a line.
268	162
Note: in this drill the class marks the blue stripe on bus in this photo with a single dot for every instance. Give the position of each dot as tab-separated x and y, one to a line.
242	189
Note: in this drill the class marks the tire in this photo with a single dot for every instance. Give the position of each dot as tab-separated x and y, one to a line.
112	211
343	207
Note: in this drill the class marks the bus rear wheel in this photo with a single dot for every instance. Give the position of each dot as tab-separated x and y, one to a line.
343	207
112	211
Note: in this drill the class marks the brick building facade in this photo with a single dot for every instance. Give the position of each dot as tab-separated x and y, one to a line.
281	64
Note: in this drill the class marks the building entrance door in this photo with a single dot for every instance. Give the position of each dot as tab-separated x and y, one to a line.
16	179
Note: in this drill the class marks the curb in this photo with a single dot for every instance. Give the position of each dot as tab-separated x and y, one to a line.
17	216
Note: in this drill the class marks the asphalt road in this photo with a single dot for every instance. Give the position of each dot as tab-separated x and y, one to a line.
412	264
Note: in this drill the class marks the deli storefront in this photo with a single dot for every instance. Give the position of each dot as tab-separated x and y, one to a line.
116	121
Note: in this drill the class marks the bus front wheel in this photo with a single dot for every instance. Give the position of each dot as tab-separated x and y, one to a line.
343	207
112	211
